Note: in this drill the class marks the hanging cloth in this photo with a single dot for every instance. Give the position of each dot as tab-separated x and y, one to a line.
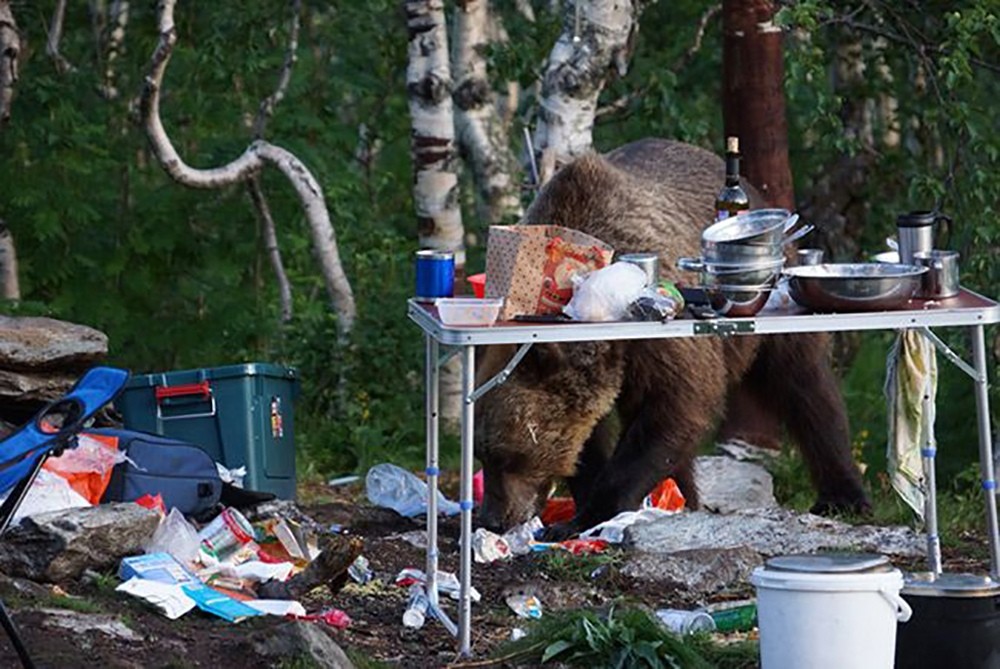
911	377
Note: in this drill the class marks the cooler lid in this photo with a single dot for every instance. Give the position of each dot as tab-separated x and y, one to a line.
926	584
831	563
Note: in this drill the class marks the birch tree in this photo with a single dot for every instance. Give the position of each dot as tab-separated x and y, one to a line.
482	132
432	140
432	144
596	42
243	168
10	52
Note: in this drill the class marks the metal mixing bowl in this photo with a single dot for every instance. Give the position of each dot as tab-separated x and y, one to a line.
845	287
737	301
743	274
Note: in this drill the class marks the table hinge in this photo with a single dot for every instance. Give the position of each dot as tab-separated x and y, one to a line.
723	328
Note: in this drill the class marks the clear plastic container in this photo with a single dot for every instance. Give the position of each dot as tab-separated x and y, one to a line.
416	607
468	310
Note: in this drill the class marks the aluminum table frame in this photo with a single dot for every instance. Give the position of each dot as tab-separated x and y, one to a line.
967	310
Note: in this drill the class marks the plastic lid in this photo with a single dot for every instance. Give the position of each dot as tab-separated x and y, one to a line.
950	585
917	219
831	563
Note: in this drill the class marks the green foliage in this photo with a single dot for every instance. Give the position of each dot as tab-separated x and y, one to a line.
623	638
179	279
564	566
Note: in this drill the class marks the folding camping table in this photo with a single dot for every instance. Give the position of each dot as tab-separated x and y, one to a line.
966	310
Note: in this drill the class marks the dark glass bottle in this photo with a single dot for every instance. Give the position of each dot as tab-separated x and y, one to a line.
732	199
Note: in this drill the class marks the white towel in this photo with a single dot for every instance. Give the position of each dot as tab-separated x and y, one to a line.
911	374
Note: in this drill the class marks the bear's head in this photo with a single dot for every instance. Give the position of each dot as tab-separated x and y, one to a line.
530	430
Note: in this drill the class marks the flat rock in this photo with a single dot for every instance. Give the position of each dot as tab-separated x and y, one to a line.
726	485
60	545
770	532
35	387
33	343
85	623
299	642
699	572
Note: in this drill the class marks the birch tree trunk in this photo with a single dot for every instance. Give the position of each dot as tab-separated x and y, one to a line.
596	41
113	46
482	134
435	188
10	51
253	159
432	144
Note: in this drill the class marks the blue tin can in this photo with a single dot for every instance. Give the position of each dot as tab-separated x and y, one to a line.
435	274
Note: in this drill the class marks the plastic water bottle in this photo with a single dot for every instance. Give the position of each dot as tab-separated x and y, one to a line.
416	607
686	622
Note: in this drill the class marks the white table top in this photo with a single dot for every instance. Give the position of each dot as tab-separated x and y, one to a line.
964	310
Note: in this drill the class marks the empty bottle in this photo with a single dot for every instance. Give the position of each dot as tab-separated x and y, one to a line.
416	607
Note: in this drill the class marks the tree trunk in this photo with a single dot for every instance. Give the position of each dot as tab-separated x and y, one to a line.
432	143
753	96
429	87
114	45
253	159
482	134
753	109
10	51
596	41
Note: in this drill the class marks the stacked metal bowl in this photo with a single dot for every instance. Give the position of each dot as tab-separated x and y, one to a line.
741	260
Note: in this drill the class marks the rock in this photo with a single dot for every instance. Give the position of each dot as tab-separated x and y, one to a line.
770	532
85	623
700	572
60	545
726	485
45	343
303	642
36	387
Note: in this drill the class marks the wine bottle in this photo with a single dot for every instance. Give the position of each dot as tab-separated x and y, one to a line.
732	199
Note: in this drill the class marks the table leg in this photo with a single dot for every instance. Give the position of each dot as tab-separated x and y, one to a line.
928	452
986	447
432	377
465	501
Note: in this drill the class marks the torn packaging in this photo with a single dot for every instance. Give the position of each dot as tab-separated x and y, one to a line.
532	268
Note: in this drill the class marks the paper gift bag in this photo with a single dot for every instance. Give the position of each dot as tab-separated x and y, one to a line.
532	266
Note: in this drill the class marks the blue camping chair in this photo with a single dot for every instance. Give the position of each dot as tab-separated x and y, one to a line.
50	432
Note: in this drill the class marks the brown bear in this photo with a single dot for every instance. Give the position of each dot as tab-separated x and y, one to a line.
617	417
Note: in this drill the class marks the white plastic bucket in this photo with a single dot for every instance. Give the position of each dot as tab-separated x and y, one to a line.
828	620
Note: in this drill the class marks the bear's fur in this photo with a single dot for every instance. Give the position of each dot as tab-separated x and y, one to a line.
617	417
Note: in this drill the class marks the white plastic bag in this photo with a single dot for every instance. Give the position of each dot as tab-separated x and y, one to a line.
175	535
604	295
402	491
49	492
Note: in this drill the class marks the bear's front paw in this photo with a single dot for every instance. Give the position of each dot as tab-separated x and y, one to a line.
839	506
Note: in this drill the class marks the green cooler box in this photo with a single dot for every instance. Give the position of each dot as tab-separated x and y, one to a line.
241	415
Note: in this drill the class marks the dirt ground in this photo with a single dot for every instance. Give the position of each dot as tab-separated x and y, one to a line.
376	636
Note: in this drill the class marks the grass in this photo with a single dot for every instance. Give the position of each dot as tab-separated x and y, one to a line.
564	566
78	604
625	637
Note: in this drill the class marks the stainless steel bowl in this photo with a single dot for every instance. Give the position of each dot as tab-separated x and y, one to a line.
737	301
757	226
846	287
715	273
